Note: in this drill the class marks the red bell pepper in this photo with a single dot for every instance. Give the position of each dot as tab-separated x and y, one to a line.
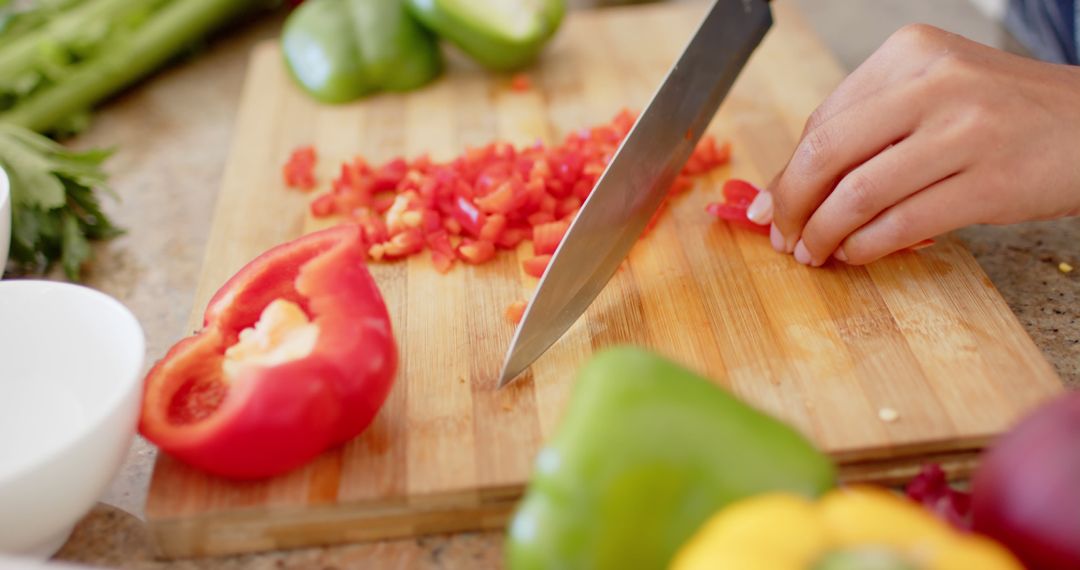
547	237
299	171
515	311
494	195
520	82
296	355
738	194
537	265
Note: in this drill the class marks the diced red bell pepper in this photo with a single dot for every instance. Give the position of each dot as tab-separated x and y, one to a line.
476	252
739	193
511	238
404	244
452	226
499	201
493	227
536	266
443	263
382	202
722	154
396	215
470	217
442	251
540	218
323	206
549	204
681	184
546	237
389	175
520	82
735	215
373	226
296	355
299	171
568	206
495	193
515	311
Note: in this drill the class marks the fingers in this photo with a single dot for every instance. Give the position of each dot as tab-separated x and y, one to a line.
941	208
904	54
836	147
878	72
893	175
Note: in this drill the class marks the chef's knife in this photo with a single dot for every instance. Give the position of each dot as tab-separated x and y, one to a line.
638	177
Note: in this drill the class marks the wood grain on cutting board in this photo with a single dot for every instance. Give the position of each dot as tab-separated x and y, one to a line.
922	333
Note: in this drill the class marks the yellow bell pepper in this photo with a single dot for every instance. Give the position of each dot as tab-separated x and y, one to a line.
861	528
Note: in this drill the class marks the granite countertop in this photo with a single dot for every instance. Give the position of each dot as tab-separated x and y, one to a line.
173	134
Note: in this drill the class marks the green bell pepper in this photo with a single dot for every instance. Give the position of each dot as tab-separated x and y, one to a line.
340	50
646	453
499	34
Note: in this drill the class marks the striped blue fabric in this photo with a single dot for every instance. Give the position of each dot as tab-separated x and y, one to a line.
1048	28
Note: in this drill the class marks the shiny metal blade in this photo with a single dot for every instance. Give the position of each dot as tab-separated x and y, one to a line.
638	177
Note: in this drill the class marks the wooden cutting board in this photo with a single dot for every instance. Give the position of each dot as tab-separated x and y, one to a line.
924	333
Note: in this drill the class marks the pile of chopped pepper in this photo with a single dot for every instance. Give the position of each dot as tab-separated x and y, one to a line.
490	198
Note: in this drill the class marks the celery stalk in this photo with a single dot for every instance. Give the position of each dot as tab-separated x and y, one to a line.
124	60
18	18
56	62
20	54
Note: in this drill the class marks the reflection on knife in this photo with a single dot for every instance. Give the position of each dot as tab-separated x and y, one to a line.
638	177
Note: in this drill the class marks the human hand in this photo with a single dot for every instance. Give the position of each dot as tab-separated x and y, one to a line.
932	133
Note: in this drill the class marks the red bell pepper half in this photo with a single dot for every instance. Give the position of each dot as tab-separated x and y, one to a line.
296	355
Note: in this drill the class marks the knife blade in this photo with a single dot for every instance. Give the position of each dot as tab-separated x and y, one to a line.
637	179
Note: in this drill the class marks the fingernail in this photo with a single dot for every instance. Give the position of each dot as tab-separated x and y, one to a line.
802	255
840	255
776	238
760	210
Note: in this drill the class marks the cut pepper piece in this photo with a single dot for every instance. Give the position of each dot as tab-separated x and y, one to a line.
476	252
735	215
546	237
498	34
520	82
299	171
515	311
297	354
537	265
739	193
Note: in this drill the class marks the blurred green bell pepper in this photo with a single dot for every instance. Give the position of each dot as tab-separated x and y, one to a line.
340	50
646	453
499	34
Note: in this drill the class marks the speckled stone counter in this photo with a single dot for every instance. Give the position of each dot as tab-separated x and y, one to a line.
173	134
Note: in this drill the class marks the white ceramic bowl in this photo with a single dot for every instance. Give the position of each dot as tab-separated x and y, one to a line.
70	387
5	219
